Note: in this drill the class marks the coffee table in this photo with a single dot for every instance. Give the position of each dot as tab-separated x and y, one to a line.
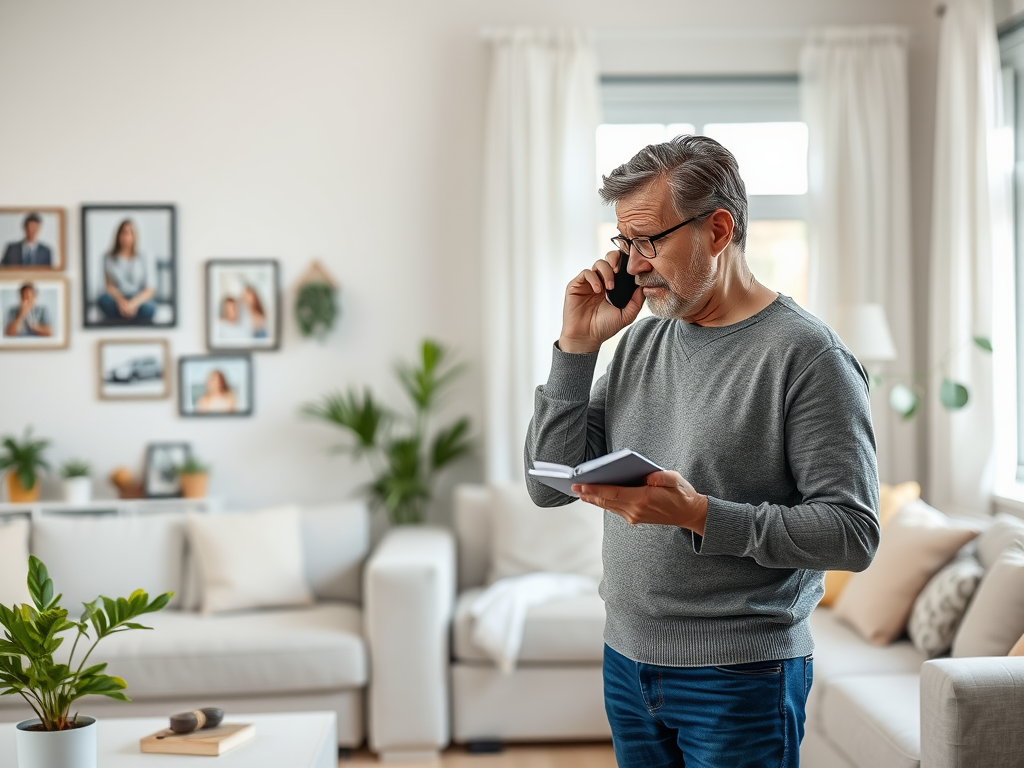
291	740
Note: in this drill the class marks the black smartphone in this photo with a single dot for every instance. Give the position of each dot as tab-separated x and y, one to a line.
625	285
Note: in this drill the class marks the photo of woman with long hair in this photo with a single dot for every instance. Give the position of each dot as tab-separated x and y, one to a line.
128	295
218	397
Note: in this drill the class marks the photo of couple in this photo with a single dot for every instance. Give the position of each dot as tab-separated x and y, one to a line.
242	304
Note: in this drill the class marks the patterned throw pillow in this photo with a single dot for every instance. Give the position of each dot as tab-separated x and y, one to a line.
941	606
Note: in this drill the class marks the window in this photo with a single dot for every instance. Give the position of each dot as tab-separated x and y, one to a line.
758	120
1011	45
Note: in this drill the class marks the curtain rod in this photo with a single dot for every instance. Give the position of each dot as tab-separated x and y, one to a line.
611	34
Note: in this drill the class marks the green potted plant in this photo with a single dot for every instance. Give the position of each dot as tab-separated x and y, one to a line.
77	480
194	477
403	453
23	462
56	738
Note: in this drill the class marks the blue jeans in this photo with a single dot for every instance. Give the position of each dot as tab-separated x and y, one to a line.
738	716
108	307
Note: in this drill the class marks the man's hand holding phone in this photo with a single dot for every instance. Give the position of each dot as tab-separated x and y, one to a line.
588	317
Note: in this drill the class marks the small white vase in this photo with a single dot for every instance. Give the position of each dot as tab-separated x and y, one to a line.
78	490
57	749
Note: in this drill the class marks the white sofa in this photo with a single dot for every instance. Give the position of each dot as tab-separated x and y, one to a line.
310	658
870	707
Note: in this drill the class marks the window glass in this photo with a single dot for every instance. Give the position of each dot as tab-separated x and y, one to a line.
777	255
772	156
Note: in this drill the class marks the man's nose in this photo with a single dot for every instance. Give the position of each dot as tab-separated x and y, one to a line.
637	263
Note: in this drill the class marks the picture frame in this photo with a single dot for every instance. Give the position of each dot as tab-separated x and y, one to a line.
129	369
159	481
243	305
38	248
217	385
129	266
34	311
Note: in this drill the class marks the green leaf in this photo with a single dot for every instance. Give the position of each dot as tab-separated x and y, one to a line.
450	444
952	395
362	416
983	342
40	586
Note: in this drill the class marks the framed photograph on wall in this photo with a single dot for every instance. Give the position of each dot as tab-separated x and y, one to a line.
215	385
129	266
161	477
33	311
32	238
134	370
243	304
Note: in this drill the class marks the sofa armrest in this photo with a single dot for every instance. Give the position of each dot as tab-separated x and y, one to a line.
408	601
972	712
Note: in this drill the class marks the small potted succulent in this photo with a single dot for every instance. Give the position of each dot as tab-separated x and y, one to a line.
56	738
77	480
24	463
194	477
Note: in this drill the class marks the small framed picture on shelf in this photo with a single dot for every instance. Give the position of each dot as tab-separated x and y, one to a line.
32	238
243	304
134	370
33	311
129	266
215	385
161	478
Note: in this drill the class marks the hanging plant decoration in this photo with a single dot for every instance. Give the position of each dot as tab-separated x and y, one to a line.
316	303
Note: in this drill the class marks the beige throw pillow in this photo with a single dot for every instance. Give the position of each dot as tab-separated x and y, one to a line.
1018	648
526	538
918	541
993	541
995	619
14	562
250	560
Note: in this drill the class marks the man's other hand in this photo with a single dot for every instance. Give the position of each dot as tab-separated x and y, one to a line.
588	318
667	499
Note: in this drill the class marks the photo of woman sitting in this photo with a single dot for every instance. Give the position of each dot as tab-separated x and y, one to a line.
218	397
128	295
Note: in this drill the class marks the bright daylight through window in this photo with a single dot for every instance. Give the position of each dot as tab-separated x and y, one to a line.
758	120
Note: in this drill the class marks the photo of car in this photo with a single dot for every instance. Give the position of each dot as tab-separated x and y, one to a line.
136	369
131	370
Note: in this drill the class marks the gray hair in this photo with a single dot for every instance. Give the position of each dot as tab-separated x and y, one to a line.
702	174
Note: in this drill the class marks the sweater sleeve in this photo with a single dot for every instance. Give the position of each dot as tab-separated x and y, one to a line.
568	421
830	447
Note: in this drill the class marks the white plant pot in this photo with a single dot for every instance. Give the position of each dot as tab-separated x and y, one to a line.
57	749
78	490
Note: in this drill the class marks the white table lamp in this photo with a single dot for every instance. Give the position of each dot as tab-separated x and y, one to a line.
863	328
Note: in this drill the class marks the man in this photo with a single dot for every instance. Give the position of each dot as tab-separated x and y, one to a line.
28	318
28	252
760	416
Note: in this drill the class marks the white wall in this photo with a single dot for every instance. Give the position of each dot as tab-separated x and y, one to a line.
349	131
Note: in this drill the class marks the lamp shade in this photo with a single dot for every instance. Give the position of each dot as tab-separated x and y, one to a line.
864	329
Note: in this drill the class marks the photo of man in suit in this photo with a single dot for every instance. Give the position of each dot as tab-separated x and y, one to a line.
28	252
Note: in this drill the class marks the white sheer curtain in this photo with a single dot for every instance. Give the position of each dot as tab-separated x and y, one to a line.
970	219
854	94
540	217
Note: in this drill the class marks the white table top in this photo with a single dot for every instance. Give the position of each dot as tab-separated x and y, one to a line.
290	740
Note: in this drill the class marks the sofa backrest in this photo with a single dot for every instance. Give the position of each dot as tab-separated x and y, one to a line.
471	517
88	555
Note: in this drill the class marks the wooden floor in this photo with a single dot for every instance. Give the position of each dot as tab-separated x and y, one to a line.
543	756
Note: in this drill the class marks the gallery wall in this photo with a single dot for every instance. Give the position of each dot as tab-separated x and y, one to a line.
346	131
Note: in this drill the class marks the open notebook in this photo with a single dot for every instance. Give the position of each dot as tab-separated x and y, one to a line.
623	467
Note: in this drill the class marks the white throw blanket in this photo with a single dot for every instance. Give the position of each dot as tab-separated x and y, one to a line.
499	612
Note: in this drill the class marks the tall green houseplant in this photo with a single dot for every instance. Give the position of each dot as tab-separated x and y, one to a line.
405	454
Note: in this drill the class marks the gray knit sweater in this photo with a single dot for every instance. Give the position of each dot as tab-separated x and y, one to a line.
770	419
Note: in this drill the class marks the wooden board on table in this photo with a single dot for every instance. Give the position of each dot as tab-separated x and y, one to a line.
209	741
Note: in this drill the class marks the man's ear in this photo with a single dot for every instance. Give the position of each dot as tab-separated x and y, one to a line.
720	226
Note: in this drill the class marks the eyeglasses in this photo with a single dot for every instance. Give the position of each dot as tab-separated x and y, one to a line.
645	245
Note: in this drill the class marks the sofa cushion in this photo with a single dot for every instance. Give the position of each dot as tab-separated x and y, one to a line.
1004	531
92	555
335	541
14	561
941	606
263	652
565	630
995	618
839	652
917	542
250	560
526	538
875	720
